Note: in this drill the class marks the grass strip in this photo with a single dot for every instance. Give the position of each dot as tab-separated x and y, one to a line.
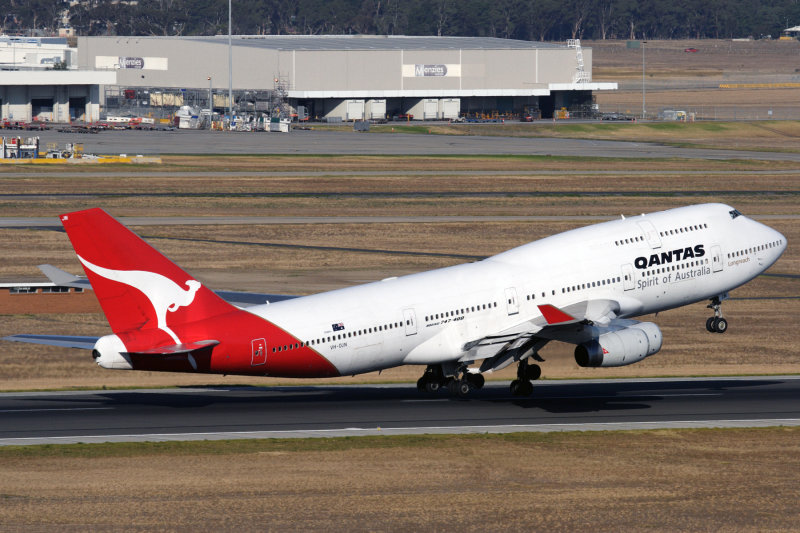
338	444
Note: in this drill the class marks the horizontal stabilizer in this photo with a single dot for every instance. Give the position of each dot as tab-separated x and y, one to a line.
177	349
66	341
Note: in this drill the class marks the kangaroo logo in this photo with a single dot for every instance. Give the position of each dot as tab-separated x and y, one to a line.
163	293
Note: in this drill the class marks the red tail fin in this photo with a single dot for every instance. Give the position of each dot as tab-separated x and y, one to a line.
138	288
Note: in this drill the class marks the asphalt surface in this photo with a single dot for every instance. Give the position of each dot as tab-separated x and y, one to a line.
330	142
325	411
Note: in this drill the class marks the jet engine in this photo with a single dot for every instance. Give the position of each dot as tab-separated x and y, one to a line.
623	347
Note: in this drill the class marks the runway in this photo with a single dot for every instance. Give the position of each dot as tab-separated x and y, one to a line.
329	411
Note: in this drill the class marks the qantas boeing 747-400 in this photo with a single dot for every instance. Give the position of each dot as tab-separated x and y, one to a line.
582	287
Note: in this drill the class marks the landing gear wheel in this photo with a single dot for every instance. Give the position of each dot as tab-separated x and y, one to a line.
459	387
431	380
432	386
716	323
527	388
521	387
533	372
476	381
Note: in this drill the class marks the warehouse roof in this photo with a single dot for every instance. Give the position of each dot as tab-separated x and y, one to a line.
375	42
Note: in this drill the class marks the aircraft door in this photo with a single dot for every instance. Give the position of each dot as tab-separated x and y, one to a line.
716	258
627	277
650	233
259	347
410	320
511	301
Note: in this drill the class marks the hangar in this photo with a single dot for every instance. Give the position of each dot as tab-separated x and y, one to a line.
52	95
350	77
31	88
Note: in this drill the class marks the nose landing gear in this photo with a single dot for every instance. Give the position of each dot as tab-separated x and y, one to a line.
717	323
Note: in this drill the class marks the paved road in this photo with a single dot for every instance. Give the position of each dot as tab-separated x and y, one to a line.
322	411
328	142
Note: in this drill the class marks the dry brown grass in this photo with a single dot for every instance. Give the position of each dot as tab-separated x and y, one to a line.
722	480
673	77
550	191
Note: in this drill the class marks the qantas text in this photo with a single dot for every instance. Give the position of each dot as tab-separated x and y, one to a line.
668	257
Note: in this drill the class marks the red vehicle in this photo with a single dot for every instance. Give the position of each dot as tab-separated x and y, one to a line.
691	50
37	125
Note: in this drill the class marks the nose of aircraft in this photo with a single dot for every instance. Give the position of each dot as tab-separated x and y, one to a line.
777	246
778	237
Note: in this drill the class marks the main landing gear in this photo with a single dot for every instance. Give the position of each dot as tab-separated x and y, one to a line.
716	323
526	373
459	384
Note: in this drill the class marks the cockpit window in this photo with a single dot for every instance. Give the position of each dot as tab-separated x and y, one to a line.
735	213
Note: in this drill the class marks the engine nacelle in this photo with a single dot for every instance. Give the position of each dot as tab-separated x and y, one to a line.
622	347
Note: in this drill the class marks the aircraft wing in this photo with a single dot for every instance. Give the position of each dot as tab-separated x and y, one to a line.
574	324
66	341
247	299
64	279
240	299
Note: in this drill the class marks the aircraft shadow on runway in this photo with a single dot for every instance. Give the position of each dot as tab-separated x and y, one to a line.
560	398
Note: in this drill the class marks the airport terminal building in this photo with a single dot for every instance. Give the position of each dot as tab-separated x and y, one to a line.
348	77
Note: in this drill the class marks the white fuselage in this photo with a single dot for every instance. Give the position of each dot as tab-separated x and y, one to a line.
646	264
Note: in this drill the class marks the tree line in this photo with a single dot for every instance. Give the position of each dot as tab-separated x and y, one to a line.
535	20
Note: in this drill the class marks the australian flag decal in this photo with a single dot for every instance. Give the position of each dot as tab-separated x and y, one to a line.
338	327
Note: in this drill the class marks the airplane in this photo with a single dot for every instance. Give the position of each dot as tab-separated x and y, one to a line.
583	287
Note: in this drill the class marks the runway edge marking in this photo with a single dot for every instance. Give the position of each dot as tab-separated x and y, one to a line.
433	430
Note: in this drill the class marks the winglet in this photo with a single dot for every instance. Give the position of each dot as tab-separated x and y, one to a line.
554	315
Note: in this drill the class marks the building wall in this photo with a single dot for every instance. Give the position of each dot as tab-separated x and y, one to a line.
176	62
18	100
21	90
169	62
68	302
324	80
18	52
327	70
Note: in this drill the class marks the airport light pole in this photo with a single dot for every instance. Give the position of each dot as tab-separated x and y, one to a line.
644	111
230	67
210	102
